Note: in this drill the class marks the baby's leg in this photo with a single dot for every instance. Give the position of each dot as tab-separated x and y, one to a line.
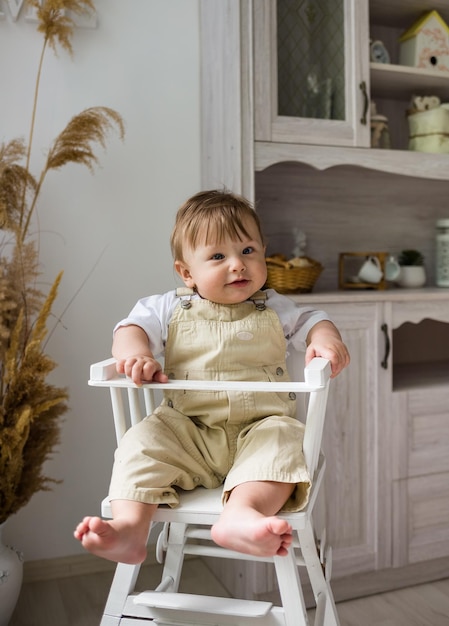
248	522
123	538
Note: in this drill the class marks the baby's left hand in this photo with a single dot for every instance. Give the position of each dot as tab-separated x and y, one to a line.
325	341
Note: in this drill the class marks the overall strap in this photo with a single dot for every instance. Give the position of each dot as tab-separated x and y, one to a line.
184	291
259	299
185	294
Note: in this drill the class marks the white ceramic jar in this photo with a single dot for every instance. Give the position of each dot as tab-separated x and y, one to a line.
442	253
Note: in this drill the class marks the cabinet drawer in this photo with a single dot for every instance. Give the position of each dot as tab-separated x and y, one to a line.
428	432
420	519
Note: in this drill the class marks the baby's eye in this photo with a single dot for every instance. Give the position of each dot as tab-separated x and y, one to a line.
248	250
217	256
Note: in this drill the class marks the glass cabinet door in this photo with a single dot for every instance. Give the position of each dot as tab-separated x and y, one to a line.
311	59
311	71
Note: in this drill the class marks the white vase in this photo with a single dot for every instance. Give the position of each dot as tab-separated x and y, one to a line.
412	276
11	575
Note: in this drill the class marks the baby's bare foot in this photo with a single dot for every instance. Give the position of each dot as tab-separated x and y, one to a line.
111	539
259	536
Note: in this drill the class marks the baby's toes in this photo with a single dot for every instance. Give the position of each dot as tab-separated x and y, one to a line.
82	527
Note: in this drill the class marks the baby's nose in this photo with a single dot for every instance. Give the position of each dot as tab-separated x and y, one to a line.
237	264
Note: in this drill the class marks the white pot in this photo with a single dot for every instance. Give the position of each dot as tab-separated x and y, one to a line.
11	575
412	276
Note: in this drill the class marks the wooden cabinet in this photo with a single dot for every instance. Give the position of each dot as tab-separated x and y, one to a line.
420	432
386	437
344	138
387	440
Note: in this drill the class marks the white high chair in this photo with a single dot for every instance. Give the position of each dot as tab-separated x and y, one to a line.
186	529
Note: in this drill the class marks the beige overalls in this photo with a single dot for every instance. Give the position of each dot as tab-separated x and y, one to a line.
207	438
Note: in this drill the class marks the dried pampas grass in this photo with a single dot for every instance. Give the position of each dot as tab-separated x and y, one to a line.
30	407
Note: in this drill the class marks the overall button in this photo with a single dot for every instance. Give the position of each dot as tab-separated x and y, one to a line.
279	371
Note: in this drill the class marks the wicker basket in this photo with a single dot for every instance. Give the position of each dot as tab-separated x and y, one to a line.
289	279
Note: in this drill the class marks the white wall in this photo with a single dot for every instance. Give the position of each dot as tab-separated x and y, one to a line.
143	61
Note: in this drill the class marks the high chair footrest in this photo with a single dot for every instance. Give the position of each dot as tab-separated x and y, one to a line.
202	604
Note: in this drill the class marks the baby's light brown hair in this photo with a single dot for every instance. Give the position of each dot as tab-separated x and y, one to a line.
209	217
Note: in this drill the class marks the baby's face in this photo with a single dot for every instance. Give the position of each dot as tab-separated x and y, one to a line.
228	272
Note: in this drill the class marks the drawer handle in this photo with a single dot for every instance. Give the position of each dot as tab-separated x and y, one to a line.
384	329
365	102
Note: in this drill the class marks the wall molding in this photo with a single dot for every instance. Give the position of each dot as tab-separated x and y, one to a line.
67	566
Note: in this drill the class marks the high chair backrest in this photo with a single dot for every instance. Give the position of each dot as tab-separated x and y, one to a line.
130	403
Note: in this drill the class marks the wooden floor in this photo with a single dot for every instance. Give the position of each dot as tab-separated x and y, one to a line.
79	600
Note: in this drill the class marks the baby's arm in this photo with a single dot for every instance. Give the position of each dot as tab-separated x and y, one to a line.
324	340
131	348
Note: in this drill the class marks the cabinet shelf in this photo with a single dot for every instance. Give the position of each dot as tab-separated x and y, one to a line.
403	162
420	354
420	375
401	83
401	13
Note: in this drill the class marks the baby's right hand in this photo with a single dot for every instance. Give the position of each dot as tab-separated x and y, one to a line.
141	369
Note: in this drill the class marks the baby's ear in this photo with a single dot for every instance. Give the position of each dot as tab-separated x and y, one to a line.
184	273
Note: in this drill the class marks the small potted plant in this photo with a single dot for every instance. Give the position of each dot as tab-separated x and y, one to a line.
413	273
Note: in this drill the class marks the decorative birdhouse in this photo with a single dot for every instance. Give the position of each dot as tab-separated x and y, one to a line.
426	43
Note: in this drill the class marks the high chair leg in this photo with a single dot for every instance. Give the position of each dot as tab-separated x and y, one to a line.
174	557
122	585
290	589
326	612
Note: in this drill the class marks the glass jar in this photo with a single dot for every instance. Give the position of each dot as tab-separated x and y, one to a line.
442	253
